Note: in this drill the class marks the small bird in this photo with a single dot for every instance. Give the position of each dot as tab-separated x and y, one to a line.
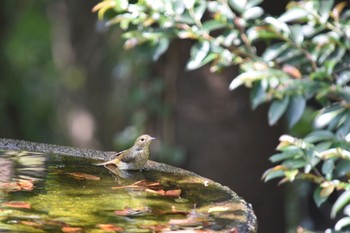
133	158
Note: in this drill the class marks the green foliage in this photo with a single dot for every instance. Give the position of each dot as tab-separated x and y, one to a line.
305	58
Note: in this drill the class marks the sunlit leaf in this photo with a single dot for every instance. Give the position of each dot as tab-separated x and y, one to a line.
296	13
248	78
338	9
262	32
198	52
253	13
274	51
278	25
342	223
342	200
238	5
272	173
325	8
277	108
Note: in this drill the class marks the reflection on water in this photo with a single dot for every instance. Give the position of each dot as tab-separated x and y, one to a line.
48	193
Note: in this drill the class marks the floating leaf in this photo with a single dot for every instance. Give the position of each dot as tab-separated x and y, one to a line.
173	193
159	192
82	176
181	200
17	204
133	212
110	227
68	229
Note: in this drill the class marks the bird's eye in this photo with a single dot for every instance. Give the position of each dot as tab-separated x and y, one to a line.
142	139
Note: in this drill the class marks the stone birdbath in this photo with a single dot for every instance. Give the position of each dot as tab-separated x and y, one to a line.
49	188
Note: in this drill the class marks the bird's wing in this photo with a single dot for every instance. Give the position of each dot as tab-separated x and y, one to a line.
126	156
113	161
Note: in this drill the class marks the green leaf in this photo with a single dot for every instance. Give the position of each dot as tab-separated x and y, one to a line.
258	93
273	51
161	48
238	5
319	200
294	14
276	110
252	3
345	128
342	223
294	163
248	78
253	13
295	109
280	26
272	174
342	200
282	156
328	167
325	8
342	168
318	136
211	25
262	32
198	52
200	9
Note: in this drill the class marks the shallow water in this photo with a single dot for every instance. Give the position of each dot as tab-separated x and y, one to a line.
73	195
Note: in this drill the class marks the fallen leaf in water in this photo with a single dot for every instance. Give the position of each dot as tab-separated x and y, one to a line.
133	212
181	200
18	185
194	218
17	204
82	176
110	227
26	184
169	193
173	193
31	223
159	192
155	228
69	229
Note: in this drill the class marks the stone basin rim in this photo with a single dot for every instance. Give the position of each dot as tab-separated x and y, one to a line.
20	145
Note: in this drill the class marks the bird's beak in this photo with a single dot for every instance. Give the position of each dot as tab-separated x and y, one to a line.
152	138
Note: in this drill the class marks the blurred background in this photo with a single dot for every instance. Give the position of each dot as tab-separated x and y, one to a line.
66	79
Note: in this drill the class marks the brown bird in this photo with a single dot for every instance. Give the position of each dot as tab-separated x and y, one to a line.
133	158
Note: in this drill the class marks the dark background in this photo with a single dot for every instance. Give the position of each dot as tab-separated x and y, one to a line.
66	79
